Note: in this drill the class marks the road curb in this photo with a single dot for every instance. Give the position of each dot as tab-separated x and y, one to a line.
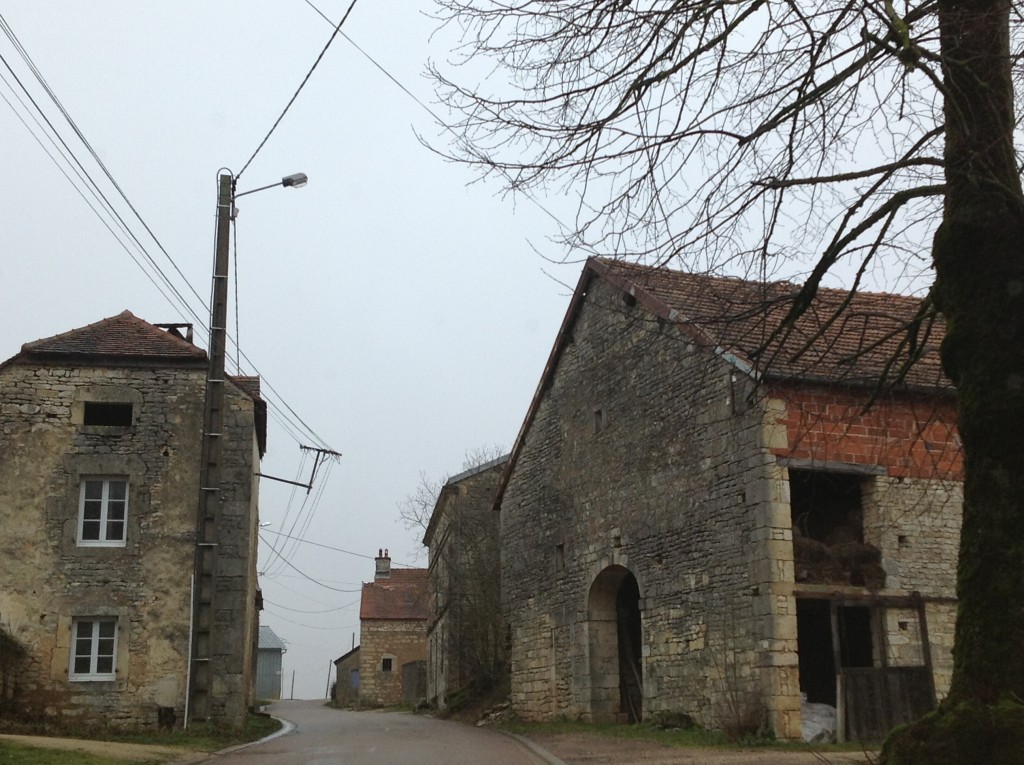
286	728
540	751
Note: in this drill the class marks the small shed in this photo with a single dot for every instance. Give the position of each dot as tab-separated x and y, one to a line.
268	665
346	684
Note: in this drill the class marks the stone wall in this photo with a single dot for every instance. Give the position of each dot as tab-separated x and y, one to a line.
640	458
466	635
49	579
650	456
401	641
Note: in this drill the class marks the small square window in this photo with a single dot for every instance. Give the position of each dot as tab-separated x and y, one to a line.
107	414
93	649
103	512
385	664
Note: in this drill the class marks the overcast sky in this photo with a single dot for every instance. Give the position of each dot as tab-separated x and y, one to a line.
402	312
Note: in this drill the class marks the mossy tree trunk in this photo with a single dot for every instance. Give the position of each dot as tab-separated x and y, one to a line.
979	262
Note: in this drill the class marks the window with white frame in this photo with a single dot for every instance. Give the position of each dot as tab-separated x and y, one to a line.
103	512
93	648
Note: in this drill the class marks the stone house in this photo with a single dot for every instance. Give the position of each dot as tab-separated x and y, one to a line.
393	613
101	441
700	517
465	634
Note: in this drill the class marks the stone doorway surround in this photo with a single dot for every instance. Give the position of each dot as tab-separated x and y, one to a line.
614	647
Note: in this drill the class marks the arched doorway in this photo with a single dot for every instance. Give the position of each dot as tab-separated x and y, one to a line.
616	674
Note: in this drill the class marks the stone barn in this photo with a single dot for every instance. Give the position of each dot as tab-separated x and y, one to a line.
702	517
465	634
101	434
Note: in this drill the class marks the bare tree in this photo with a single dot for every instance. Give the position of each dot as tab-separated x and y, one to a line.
745	135
415	510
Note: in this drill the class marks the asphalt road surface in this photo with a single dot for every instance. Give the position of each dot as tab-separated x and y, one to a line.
325	736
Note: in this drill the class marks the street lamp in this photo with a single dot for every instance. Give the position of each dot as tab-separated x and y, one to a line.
293	181
206	642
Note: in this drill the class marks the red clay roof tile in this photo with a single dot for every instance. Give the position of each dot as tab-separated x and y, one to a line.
841	338
124	336
402	596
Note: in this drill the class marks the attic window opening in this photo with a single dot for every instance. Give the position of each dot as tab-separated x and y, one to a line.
104	414
629	300
828	531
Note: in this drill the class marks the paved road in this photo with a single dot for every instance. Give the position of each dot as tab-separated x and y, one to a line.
325	736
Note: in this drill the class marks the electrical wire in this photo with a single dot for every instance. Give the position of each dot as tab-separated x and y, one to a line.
295	95
304	575
285	413
307	626
325	611
84	174
335	549
437	119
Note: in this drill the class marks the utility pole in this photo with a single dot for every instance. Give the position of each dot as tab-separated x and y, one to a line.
204	573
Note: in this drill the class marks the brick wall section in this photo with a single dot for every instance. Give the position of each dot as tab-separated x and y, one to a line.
911	510
48	579
912	436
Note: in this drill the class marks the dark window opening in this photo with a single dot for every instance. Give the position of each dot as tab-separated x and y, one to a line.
108	415
826	506
560	557
385	664
828	531
817	649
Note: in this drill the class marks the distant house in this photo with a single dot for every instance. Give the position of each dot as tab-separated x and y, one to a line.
101	441
346	679
465	635
702	517
393	617
268	665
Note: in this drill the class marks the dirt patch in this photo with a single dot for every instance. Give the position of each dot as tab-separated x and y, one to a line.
592	749
138	752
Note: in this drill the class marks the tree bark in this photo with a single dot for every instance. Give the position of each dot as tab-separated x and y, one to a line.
979	262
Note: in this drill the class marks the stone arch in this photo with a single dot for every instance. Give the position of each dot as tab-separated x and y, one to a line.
615	640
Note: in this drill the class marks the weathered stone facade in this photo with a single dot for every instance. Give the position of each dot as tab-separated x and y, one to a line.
466	633
393	636
139	581
647	526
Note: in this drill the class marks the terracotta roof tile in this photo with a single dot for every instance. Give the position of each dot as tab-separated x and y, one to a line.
837	341
124	336
402	596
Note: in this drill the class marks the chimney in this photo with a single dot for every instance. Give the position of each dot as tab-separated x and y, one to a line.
383	561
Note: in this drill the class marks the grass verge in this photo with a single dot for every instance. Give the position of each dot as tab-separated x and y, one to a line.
693	737
16	754
203	737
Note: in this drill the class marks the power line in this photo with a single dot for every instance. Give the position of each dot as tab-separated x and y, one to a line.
298	90
307	576
326	547
324	611
437	119
281	408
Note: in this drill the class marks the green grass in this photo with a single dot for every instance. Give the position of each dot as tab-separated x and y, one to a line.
679	738
204	737
15	754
